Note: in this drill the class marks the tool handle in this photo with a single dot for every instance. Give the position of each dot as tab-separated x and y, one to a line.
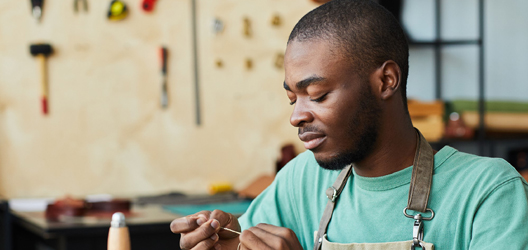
36	3
118	238
164	94
44	102
43	83
163	56
148	5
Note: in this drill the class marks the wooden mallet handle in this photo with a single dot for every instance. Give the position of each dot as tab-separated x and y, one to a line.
44	83
41	51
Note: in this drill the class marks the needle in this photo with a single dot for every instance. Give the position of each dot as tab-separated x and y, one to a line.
230	230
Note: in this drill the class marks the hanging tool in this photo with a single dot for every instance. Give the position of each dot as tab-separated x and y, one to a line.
36	7
164	95
276	20
218	26
148	5
196	62
279	60
248	31
117	11
41	51
76	5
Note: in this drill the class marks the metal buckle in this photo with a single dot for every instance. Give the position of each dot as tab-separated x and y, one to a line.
419	244
423	218
334	196
418	228
417	232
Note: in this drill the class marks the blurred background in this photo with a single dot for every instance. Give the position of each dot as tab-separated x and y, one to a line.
116	124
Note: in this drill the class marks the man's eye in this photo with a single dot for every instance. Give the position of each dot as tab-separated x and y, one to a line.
291	103
320	99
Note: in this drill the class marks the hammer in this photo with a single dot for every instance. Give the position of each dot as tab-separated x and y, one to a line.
41	51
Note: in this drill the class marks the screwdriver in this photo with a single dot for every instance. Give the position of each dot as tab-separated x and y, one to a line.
164	95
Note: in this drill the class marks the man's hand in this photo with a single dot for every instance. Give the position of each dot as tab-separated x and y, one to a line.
265	236
202	230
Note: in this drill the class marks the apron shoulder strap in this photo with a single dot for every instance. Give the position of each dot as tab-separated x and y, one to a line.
422	175
332	193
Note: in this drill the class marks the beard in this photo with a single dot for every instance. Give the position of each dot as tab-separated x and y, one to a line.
364	127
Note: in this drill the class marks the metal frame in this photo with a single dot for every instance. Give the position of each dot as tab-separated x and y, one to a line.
438	44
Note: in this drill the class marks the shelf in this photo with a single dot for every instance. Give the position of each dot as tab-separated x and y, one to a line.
445	42
491	137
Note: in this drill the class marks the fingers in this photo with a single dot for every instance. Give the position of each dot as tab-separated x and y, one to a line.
228	221
264	236
210	243
188	223
250	240
282	232
203	237
225	219
202	230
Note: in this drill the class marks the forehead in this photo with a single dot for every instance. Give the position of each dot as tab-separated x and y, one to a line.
314	58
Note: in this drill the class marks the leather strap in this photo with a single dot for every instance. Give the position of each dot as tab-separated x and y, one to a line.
332	193
419	190
422	175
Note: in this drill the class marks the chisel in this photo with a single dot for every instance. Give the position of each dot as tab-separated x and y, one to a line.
164	95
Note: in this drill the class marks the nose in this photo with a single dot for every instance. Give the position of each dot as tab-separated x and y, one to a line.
301	114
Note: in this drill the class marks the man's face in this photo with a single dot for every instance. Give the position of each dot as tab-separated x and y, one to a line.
334	107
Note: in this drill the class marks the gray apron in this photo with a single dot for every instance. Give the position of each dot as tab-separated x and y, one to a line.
422	175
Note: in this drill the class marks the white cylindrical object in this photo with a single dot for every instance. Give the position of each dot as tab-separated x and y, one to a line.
118	235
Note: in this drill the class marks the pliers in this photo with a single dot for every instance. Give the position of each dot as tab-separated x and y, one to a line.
76	5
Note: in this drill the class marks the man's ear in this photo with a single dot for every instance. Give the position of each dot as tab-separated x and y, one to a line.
389	79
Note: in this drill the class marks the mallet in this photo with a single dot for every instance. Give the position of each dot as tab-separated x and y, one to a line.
41	51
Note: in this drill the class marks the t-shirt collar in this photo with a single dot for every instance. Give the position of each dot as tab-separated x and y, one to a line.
399	178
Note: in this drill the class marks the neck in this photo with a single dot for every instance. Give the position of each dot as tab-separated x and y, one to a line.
394	150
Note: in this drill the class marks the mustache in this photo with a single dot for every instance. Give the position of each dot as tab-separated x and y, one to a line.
309	129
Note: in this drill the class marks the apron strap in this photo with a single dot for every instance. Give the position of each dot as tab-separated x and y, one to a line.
420	188
422	175
332	193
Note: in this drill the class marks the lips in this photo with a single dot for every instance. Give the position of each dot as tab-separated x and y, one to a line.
312	139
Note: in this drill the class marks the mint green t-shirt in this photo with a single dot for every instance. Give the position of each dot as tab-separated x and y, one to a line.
479	203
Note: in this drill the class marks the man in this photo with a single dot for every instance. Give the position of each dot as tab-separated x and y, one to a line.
346	69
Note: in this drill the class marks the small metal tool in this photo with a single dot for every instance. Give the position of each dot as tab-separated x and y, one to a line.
248	31
218	26
249	64
276	20
230	230
36	7
164	95
76	5
279	61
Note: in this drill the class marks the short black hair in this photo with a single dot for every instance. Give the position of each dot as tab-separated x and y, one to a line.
365	32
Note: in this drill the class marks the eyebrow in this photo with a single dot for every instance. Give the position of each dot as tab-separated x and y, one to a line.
306	82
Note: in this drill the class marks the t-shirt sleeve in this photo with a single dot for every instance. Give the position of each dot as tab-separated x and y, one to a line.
501	221
274	205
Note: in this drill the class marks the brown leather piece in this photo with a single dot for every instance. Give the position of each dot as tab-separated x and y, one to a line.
339	184
422	175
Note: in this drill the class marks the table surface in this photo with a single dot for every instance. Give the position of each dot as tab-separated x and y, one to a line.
141	217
